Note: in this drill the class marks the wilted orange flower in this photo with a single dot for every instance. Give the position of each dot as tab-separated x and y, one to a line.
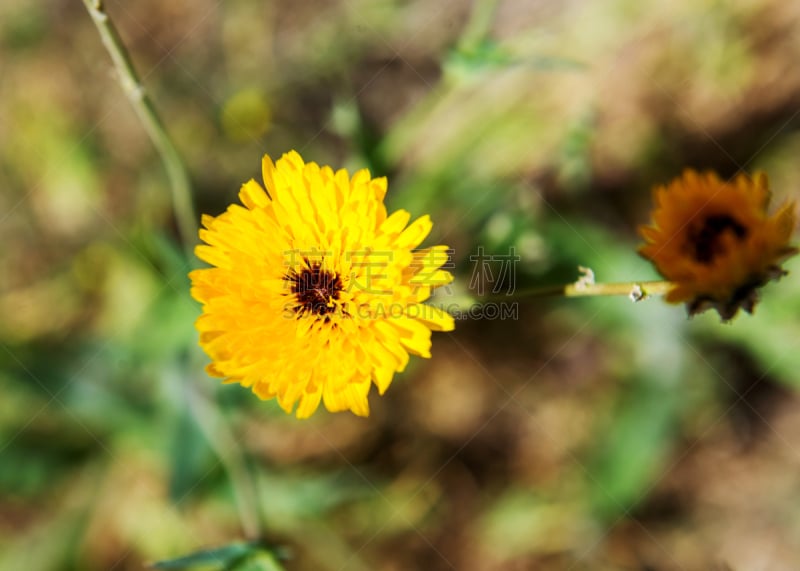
316	293
715	241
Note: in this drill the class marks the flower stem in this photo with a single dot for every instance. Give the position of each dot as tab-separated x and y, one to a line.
233	457
635	290
132	86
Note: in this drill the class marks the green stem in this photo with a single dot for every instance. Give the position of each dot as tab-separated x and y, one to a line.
219	436
132	86
635	290
631	289
214	427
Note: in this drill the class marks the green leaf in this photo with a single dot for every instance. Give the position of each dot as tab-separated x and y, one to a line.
219	558
488	55
190	456
258	562
633	448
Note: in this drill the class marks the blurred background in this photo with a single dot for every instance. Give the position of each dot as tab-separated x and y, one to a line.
584	434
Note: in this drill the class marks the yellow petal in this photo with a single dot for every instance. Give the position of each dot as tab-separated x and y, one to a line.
253	196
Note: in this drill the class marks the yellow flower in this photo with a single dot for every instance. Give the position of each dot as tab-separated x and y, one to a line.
715	241
316	293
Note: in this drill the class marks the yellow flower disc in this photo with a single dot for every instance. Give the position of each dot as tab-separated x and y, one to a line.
315	292
715	241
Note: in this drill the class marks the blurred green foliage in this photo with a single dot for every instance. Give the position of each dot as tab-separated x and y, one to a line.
587	434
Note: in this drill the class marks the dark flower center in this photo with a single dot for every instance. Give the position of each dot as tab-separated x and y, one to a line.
705	240
315	289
